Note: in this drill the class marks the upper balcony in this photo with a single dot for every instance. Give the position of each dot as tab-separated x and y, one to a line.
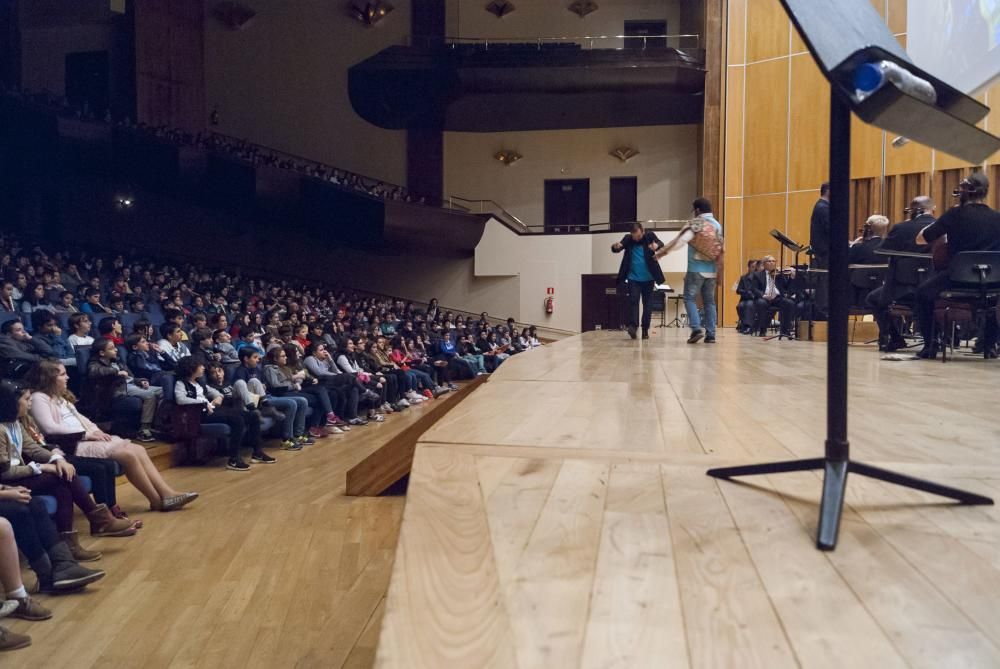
479	85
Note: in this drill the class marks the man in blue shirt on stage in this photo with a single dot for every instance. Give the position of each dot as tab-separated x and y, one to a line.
641	270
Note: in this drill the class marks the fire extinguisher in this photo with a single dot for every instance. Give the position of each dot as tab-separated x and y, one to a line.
550	304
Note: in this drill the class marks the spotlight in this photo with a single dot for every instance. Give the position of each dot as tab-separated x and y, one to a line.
124	202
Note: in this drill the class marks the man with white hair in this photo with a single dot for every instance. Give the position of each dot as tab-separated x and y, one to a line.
862	252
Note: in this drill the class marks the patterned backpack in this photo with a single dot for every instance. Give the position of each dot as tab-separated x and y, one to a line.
707	242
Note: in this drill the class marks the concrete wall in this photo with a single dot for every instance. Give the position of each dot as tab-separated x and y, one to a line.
282	82
666	167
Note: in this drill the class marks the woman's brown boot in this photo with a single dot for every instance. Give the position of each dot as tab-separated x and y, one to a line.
104	524
80	554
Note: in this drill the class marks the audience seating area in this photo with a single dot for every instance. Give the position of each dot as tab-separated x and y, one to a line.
208	359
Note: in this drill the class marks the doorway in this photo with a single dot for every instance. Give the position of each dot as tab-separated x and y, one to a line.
602	303
567	205
637	29
623	207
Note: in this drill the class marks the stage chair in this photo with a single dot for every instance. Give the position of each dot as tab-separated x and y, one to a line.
975	278
909	273
864	279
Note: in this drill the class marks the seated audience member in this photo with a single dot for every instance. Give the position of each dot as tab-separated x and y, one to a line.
370	364
111	384
442	349
190	389
176	317
422	375
19	351
111	328
202	347
321	365
171	346
7	303
902	237
472	355
79	325
26	521
744	288
25	463
281	381
47	330
141	362
349	362
768	291
53	408
250	372
862	251
35	300
407	382
325	400
222	344
247	406
93	305
10	580
66	304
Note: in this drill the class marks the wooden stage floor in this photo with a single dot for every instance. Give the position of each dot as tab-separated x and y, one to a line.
561	517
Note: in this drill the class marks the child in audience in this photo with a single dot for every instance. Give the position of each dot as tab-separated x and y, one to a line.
111	328
141	362
47	329
223	346
251	374
283	382
189	389
93	303
52	407
244	403
119	385
171	346
79	325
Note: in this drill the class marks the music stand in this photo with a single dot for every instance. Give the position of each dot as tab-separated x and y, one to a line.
845	39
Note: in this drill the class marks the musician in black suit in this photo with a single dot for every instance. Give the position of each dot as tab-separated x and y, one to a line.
771	294
971	226
819	228
744	288
641	270
902	237
862	251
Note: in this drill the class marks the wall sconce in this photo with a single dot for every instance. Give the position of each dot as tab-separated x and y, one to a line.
583	7
500	8
624	153
233	15
507	157
370	13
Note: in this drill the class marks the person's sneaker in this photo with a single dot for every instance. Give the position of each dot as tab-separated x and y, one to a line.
403	402
237	466
146	435
429	394
290	445
631	331
332	429
696	337
442	390
378	418
12	640
7	607
358	421
645	334
316	433
262	458
29	609
710	339
305	440
177	501
331	418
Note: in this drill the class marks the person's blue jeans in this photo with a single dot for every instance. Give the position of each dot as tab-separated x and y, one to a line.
294	409
694	285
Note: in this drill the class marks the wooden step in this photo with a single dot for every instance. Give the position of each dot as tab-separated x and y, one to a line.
390	463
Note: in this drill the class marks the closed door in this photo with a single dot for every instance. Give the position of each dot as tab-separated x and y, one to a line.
644	29
623	205
567	205
602	302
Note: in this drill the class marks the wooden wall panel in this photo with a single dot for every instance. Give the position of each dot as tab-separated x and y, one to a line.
911	158
732	228
866	150
736	27
767	30
766	135
762	214
809	134
897	16
733	147
800	207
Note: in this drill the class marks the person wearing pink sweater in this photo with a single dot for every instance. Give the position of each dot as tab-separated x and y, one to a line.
52	408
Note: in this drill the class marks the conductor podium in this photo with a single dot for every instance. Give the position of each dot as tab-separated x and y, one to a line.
871	75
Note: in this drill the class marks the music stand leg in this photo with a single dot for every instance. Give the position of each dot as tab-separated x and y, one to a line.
836	462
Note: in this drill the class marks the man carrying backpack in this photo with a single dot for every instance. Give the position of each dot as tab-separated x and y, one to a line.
703	237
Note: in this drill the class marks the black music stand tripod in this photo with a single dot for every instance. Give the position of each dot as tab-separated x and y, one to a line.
843	37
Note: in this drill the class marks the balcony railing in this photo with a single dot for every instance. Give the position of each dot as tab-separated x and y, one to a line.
587	42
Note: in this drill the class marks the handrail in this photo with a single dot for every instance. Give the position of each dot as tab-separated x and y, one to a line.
539	41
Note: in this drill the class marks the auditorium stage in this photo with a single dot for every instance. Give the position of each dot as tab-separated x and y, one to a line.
561	517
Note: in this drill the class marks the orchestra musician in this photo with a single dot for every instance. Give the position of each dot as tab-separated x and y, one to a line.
819	228
862	251
971	226
902	237
771	292
744	288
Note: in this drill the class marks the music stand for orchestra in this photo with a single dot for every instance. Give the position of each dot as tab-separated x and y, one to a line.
845	38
